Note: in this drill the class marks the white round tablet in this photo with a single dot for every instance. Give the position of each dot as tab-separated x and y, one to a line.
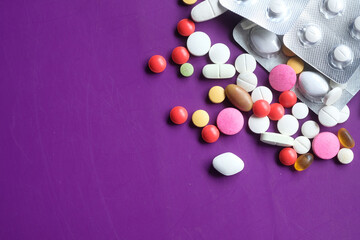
300	110
288	125
332	96
344	114
198	43
247	81
258	125
277	7
329	116
302	145
312	34
357	24
345	155
335	84
310	129
219	53
335	6
343	54
262	92
245	63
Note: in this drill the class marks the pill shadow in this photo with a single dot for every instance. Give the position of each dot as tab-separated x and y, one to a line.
213	172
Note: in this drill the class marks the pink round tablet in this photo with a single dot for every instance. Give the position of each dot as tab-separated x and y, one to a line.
326	145
230	121
282	77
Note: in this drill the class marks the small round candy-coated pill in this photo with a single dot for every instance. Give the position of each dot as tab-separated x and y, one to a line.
189	2
345	138
297	64
326	145
180	55
200	118
287	156
282	77
210	133
157	63
345	155
186	27
287	99
277	111
303	161
230	121
300	110
310	129
187	69
217	94
219	53
261	108
287	52
178	115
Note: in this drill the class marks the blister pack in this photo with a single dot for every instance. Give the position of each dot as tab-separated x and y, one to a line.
278	16
327	36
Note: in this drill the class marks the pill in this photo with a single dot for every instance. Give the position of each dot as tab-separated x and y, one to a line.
357	24
332	96
312	34
180	55
200	118
198	43
207	10
245	63
262	92
313	86
186	69
277	139
228	164
287	156
258	125
345	138
247	80
345	155
303	161
277	8
300	110
210	133
296	63
282	77
218	71
157	63
355	31
216	94
302	145
219	53
326	145
344	114
185	27
230	121
239	97
310	129
287	52
335	6
341	57
335	84
261	108
189	2
287	99
329	116
265	43
288	125
178	115
277	111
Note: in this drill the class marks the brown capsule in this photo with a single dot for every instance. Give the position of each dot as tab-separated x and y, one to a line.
345	138
239	97
303	161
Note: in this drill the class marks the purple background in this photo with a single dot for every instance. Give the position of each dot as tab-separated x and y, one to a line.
87	151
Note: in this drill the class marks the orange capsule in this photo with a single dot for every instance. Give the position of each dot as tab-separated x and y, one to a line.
345	138
303	162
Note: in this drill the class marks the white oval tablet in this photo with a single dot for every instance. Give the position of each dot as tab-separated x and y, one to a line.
228	164
277	139
310	129
329	116
288	125
332	96
335	6
258	125
312	34
300	110
245	63
247	80
260	93
218	71
207	10
312	85
198	43
219	53
344	114
302	145
264	43
345	155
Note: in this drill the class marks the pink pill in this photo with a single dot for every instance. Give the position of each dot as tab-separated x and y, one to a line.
326	145
282	77
230	121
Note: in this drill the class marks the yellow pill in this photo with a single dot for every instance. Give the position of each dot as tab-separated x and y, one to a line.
297	64
345	138
189	2
217	94
287	52
303	162
200	118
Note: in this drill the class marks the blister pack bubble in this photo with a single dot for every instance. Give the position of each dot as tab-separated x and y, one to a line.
327	36
278	16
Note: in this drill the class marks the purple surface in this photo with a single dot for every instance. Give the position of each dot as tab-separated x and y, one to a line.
87	151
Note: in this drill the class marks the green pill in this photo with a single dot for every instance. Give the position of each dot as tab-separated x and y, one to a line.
187	69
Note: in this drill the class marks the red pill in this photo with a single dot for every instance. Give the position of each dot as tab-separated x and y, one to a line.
157	63
180	55
178	115
277	111
186	27
288	156
287	99
261	108
210	133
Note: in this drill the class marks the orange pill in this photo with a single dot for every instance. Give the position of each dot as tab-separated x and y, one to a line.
345	138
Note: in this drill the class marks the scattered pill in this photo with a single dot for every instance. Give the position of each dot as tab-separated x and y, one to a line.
245	63
186	69
287	156
189	2
180	55
200	118
303	161
287	99
239	97
230	121
345	138
345	155
210	133
157	64
332	96
300	110
185	27
310	129
287	52
288	125
258	125
326	145
216	94
198	43
178	115
329	116
344	114
264	43
219	53
228	164
297	64
247	80
207	10
262	92
313	86
277	111
261	108
282	77
312	34
302	145
277	139
218	71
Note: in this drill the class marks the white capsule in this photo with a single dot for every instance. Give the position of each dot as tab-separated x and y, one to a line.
198	43
228	164
332	96
219	53
302	145
207	10
345	155
329	116
247	80
277	139
218	71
